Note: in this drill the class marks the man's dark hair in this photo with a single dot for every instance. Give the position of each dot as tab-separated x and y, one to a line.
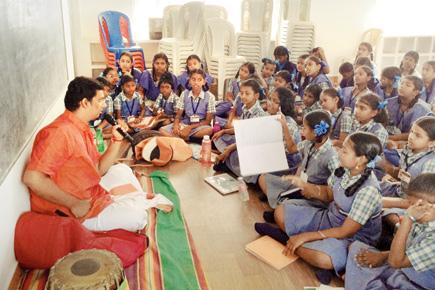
78	89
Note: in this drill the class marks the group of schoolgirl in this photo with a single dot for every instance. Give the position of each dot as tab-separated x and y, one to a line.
367	126
342	202
132	95
344	188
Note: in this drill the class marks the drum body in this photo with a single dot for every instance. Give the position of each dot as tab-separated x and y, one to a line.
86	269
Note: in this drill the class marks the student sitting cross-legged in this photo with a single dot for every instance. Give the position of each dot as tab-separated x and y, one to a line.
321	236
195	110
410	263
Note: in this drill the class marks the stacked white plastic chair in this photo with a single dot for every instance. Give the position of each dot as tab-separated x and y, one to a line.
187	34
254	39
300	38
220	53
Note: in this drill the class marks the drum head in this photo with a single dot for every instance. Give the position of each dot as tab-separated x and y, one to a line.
86	269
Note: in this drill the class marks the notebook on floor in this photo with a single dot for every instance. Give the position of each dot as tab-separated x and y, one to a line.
223	183
270	251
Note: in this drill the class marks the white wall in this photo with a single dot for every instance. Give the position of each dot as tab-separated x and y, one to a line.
14	195
340	25
84	20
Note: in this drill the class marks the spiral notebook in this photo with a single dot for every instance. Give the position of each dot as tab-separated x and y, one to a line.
223	183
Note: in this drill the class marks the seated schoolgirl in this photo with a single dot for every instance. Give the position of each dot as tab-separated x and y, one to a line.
267	72
428	76
231	107
406	108
165	106
126	67
128	105
346	71
321	236
417	158
281	102
365	49
315	74
111	75
224	140
192	62
301	80
101	123
410	263
282	60
150	79
319	158
390	80
195	110
341	119
311	98
319	52
408	65
363	79
371	116
283	79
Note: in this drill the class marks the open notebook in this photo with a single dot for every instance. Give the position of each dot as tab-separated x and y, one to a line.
270	251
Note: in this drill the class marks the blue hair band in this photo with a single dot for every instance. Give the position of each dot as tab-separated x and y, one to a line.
372	163
321	128
382	105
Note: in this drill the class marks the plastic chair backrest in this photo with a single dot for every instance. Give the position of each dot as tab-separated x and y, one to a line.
372	36
212	11
115	27
221	39
257	15
170	20
192	15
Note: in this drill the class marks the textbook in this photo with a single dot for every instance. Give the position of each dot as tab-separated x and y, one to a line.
270	251
224	183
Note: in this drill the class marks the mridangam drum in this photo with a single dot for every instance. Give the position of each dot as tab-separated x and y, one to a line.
86	269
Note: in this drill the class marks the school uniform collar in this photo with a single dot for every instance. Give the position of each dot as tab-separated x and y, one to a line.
322	149
337	113
170	99
348	180
124	98
81	125
414	156
367	126
200	96
253	109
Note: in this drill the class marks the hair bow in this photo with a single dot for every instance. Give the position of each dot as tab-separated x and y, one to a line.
382	105
372	163
321	128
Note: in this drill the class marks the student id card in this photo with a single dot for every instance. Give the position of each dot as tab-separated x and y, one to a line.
404	176
194	119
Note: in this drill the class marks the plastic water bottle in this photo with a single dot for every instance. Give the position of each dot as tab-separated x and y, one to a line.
99	140
206	149
243	189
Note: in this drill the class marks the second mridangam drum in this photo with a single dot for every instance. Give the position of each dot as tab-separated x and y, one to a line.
86	269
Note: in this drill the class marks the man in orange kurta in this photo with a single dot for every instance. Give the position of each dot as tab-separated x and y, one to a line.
67	176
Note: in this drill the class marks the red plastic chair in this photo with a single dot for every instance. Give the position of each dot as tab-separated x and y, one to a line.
116	37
